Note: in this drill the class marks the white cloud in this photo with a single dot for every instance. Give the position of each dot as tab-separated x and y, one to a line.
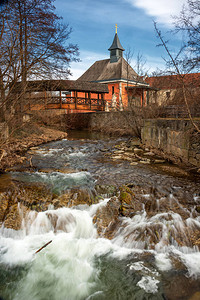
161	10
87	59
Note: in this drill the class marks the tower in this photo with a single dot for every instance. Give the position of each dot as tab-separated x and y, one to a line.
116	49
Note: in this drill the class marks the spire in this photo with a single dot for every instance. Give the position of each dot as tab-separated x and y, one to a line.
116	49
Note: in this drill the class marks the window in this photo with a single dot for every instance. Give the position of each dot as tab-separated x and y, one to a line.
113	90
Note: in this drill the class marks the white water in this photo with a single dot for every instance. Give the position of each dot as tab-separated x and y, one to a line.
65	269
71	266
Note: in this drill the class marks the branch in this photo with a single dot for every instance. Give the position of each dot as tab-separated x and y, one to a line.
43	247
181	76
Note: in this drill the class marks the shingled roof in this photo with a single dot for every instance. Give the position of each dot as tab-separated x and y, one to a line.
104	70
62	85
116	44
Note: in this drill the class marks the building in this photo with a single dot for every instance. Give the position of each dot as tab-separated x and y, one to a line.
167	89
175	94
124	84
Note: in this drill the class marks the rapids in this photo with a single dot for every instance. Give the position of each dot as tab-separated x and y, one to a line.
151	254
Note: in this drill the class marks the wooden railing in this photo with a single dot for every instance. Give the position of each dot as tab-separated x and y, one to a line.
67	102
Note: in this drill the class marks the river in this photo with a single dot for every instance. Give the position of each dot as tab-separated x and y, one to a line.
152	252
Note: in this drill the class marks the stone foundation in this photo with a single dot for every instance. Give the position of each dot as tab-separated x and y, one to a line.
174	138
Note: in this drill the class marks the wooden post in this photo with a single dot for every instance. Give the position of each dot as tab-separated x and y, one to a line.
85	98
60	99
147	97
102	101
75	99
98	99
89	96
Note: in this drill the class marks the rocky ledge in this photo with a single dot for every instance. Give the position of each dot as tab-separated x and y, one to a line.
127	201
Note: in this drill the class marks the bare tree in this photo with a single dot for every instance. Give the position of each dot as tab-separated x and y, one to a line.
135	112
33	45
174	62
42	38
188	23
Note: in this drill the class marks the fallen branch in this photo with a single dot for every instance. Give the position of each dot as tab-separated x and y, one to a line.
43	247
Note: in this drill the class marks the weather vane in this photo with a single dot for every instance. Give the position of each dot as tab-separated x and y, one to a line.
116	27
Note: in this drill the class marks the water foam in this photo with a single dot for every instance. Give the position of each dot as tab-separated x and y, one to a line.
59	181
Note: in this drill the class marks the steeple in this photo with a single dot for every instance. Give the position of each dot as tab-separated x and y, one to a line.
116	49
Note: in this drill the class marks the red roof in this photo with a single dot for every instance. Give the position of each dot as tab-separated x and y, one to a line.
174	81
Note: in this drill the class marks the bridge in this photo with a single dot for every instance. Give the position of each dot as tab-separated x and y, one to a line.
71	95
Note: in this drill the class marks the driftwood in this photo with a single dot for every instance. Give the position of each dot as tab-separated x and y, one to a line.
43	247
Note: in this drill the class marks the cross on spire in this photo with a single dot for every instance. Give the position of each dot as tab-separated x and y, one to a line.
116	28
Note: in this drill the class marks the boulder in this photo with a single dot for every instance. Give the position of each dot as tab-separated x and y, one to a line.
106	218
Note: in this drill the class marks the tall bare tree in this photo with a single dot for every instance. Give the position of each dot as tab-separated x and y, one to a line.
175	62
188	23
33	44
42	38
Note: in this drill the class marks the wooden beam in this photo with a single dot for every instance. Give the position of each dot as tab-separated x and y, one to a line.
89	96
75	99
60	99
102	101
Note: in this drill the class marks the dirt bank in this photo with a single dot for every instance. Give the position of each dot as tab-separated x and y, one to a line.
13	151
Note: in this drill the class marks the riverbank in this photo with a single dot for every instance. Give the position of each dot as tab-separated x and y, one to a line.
105	201
13	151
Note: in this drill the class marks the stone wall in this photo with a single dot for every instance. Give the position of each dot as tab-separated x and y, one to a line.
174	138
109	122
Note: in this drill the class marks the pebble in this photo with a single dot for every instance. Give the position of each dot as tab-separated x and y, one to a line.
104	150
159	161
149	154
119	151
137	150
134	163
117	157
145	162
127	158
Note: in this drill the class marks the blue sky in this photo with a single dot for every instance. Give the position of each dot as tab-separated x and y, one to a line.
93	23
